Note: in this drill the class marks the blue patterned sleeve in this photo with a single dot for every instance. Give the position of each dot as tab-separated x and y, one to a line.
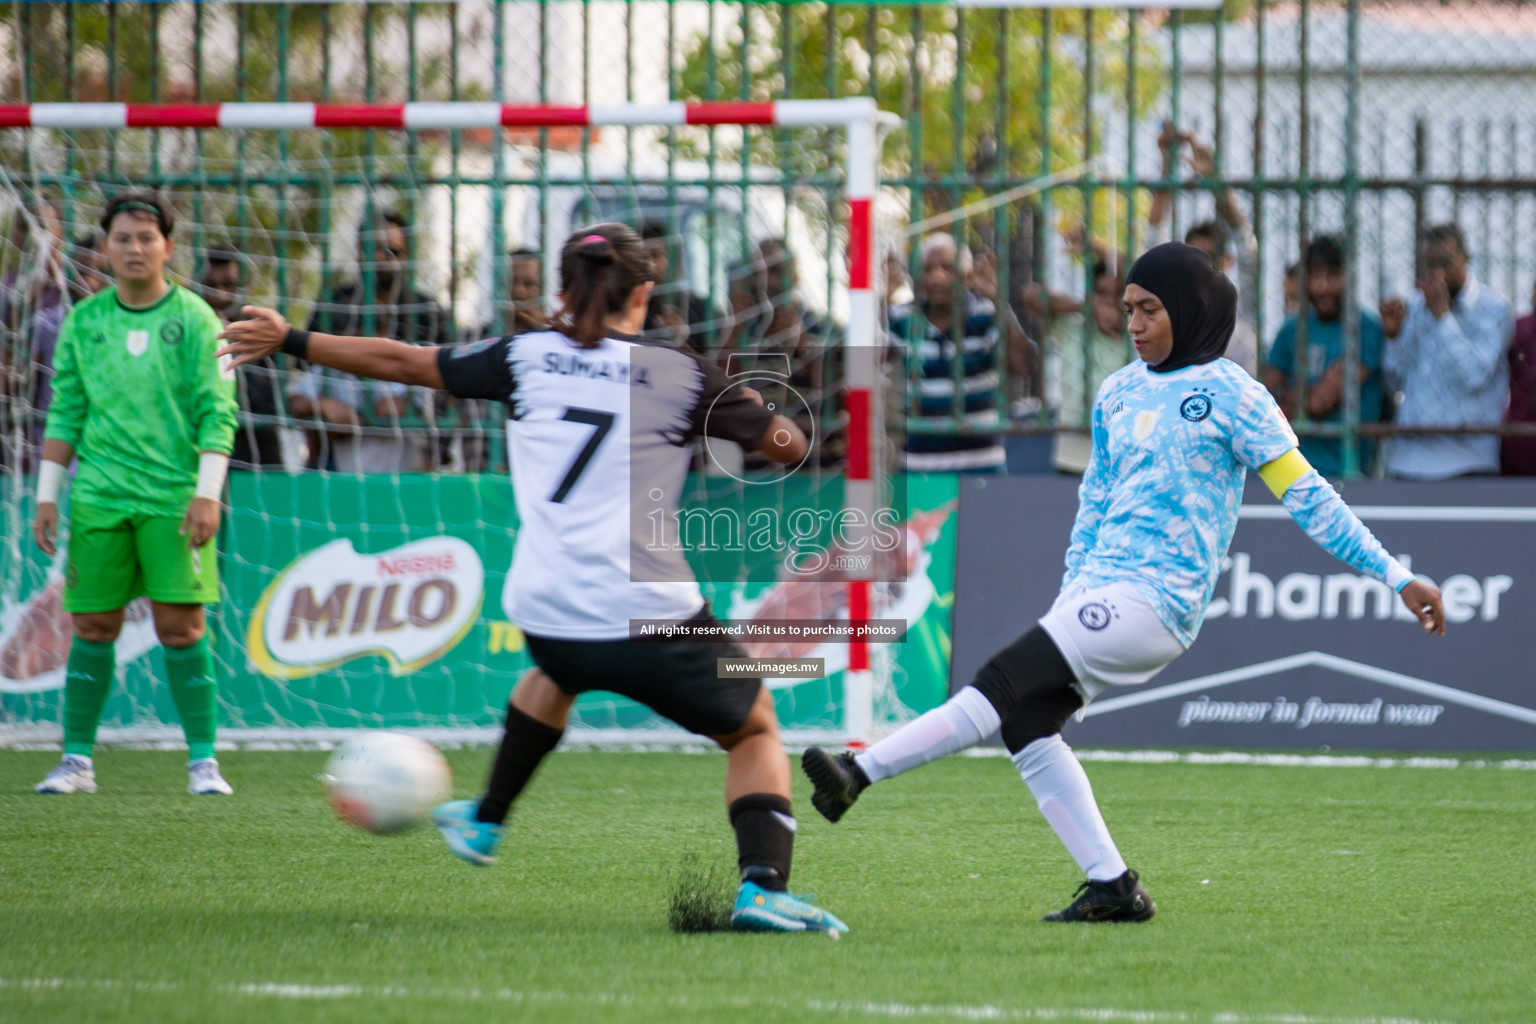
1260	433
1320	511
1092	500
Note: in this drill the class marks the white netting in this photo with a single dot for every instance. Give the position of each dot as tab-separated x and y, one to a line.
409	236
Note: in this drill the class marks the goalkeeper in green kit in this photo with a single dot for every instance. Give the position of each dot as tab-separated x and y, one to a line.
140	397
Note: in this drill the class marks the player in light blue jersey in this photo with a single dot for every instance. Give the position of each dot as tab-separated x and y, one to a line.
1173	438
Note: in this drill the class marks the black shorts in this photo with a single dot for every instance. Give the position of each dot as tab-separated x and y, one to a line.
679	680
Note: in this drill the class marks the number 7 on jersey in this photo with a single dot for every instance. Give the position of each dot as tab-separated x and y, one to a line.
603	422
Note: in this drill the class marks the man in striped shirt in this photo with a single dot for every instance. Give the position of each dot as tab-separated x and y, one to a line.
952	336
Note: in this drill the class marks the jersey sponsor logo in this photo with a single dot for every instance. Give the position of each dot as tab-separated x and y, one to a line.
171	332
1095	615
572	364
99	337
138	342
1146	422
410	606
1195	408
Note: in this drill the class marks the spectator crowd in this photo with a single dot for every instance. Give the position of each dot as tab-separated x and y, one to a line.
1445	367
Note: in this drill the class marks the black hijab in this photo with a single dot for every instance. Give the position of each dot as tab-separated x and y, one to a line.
1201	302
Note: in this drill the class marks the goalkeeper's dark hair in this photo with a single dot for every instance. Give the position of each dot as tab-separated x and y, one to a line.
600	267
139	201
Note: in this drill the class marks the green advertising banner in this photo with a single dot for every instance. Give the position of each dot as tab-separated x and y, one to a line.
354	601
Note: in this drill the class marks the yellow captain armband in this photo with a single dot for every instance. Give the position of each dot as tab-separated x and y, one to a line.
1284	471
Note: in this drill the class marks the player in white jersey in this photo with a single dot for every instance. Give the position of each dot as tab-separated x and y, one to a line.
1173	437
599	432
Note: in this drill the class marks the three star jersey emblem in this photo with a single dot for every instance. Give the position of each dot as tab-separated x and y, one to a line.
1197	406
171	332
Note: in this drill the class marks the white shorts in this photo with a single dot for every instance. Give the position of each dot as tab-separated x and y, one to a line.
1110	636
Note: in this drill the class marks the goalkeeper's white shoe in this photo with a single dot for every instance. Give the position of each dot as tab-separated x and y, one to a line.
203	779
74	774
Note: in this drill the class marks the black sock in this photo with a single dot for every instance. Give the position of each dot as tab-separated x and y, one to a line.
765	839
523	746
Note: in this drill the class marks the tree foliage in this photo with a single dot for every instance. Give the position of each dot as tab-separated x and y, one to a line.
982	94
270	193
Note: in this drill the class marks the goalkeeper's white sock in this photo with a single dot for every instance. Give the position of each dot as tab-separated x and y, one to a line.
963	721
1066	799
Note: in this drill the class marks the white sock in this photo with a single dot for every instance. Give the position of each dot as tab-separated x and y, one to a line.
963	721
1066	799
82	759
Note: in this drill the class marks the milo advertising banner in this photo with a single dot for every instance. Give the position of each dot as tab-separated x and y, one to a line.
377	602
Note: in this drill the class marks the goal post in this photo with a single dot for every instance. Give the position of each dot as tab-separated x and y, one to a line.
865	467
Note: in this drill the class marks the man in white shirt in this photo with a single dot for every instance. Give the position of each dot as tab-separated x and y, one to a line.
1445	356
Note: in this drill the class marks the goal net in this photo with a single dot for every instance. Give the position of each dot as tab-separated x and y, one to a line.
370	527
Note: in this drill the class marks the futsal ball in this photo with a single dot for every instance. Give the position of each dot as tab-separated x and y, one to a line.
385	782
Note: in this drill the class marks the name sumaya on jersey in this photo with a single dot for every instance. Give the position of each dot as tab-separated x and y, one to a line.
570	364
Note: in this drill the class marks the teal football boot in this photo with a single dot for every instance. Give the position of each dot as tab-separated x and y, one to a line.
762	910
471	840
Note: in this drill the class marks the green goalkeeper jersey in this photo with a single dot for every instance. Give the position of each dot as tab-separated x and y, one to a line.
139	393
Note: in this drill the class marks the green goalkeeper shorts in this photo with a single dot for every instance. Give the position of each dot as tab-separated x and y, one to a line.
115	557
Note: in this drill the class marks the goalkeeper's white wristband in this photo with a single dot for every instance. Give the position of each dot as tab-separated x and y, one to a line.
50	475
1398	576
211	467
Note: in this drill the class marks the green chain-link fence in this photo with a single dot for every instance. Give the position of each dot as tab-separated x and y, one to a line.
1053	145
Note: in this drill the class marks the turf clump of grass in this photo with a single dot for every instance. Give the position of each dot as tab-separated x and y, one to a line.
698	896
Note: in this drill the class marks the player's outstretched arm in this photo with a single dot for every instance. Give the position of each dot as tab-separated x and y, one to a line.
267	332
783	442
1319	510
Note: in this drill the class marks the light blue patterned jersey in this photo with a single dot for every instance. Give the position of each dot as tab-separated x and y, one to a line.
1159	501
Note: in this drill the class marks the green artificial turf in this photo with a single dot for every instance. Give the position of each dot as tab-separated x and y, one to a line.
1330	893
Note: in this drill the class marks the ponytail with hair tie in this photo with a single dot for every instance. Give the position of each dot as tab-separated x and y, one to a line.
596	249
600	268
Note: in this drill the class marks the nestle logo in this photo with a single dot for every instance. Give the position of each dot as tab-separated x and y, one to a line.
417	565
